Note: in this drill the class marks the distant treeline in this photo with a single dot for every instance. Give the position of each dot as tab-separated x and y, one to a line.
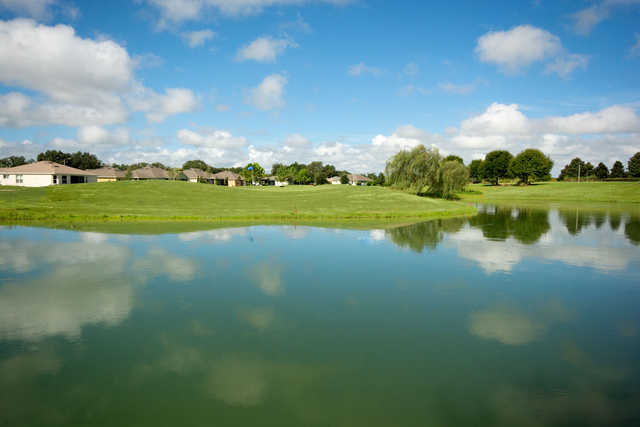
578	168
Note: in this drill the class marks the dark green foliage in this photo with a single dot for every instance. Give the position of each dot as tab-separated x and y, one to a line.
525	225
634	165
496	165
531	164
159	165
375	179
571	170
617	171
196	164
475	170
344	179
424	235
254	174
452	177
454	158
12	161
76	160
601	171
632	230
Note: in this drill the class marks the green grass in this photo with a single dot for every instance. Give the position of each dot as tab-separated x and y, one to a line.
167	202
589	192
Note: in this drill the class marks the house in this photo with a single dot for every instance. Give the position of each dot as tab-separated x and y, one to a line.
197	175
228	178
354	179
108	174
273	180
149	172
42	174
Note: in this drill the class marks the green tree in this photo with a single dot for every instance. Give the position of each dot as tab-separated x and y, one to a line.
196	164
496	165
252	172
601	171
475	170
588	170
617	171
454	158
633	166
344	179
12	161
54	156
572	169
414	170
452	178
303	177
84	161
531	164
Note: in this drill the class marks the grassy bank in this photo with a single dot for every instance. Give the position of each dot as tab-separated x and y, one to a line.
165	202
589	192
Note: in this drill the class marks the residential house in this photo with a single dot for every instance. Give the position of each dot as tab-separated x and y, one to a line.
198	175
42	174
273	180
108	174
149	172
354	179
228	178
334	180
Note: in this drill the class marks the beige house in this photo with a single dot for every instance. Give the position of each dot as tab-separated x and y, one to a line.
149	172
108	174
354	179
42	174
273	180
197	175
228	178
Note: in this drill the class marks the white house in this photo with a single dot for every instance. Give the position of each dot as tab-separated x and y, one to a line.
42	174
273	180
354	179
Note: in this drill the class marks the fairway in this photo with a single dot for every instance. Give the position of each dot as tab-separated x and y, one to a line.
592	192
137	201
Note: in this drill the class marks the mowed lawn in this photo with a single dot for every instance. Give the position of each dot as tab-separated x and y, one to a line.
595	192
174	200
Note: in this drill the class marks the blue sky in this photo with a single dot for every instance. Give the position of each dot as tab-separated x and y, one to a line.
344	82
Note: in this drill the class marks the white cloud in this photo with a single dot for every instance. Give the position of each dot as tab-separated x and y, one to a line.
362	68
506	325
197	38
264	49
214	139
611	120
39	9
518	47
635	49
463	89
269	94
587	19
158	107
565	65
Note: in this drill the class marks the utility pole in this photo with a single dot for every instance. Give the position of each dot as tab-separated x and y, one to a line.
579	172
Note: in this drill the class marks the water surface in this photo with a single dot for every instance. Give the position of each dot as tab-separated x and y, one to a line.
523	317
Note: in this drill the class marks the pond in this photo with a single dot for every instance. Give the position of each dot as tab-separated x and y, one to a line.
514	317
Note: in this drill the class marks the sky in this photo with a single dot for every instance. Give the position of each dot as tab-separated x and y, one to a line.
346	82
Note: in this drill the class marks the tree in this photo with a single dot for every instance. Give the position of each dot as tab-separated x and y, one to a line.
54	156
12	161
76	160
496	165
196	164
588	170
634	165
303	177
531	164
601	171
315	171
454	158
475	170
252	172
414	170
452	177
572	169
617	171
344	179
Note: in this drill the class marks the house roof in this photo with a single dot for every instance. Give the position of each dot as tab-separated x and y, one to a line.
149	172
45	168
195	173
108	172
355	177
227	175
333	178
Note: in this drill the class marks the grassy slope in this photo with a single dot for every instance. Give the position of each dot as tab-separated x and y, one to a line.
592	192
181	201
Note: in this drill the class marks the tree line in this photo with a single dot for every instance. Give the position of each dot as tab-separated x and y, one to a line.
585	170
527	166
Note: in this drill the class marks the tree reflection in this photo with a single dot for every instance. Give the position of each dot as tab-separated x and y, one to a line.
614	220
427	235
632	230
525	225
575	220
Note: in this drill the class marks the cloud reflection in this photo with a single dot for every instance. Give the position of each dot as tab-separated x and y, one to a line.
268	277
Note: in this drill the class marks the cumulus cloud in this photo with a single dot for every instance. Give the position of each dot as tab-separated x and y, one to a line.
463	89
38	9
521	46
361	69
587	19
157	107
197	38
264	49
269	94
214	139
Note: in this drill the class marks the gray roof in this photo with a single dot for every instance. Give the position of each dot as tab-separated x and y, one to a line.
353	177
108	172
227	175
45	168
149	172
195	173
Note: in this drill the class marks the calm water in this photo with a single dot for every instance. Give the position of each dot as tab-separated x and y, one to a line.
511	318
